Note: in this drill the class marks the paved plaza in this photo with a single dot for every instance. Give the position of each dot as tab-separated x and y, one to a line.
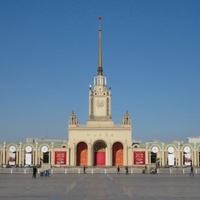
99	186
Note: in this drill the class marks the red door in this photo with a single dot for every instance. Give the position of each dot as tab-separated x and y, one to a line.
118	154
100	158
82	153
100	153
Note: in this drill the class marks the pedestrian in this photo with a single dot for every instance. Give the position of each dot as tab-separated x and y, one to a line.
118	169
84	168
46	173
191	171
34	172
126	168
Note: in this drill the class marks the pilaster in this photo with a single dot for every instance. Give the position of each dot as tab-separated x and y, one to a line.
4	154
89	154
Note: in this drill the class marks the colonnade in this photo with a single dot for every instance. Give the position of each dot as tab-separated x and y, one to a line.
99	154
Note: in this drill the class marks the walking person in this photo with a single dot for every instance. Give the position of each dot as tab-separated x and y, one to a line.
191	171
84	168
126	168
34	172
144	171
118	169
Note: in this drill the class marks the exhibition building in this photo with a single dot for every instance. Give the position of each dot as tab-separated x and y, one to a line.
99	142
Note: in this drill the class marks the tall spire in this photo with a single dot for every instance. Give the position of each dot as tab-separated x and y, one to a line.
100	68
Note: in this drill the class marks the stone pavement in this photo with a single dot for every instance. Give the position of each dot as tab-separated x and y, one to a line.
99	186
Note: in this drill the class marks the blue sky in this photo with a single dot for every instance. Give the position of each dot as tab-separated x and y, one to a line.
48	58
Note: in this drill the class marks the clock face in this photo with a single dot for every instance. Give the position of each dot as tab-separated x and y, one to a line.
100	102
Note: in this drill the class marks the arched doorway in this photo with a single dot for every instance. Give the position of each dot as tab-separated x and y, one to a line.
28	155
12	155
45	155
100	153
117	154
153	155
82	154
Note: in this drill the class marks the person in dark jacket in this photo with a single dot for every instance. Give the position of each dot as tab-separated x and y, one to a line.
34	172
191	171
118	169
126	169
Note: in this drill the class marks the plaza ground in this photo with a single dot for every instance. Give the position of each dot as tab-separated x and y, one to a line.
100	186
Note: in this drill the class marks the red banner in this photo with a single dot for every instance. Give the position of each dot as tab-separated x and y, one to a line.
139	158
60	157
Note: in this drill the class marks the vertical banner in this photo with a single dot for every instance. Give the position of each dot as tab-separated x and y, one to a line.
28	160
139	157
171	159
11	158
188	159
60	157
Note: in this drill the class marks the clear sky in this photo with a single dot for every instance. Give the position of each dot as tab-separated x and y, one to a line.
48	59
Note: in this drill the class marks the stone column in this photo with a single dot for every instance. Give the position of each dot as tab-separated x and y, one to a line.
194	157
39	154
74	156
22	157
68	156
52	154
129	157
4	154
126	153
37	161
73	152
36	156
20	154
108	155
163	158
90	154
1	156
147	154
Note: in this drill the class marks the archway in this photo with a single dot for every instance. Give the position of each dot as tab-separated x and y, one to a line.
28	156
45	156
12	155
82	154
100	153
117	154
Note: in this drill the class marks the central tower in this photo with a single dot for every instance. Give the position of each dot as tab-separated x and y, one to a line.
100	96
100	142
